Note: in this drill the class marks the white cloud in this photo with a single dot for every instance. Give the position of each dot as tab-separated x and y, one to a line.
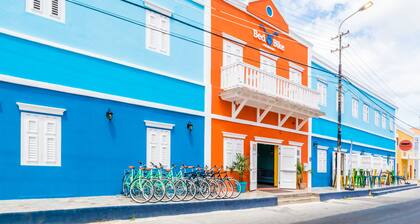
383	41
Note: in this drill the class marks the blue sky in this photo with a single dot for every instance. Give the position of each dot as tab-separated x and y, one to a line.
383	44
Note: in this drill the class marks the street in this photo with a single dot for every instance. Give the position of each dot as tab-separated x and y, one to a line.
401	207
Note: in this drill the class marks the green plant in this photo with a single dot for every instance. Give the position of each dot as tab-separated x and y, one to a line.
299	173
240	165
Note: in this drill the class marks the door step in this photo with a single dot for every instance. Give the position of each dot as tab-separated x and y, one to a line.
297	199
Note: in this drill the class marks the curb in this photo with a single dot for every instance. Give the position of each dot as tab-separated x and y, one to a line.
83	215
364	193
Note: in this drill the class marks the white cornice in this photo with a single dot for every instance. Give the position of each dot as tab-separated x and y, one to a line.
230	37
295	66
157	8
154	124
40	109
233	135
275	58
268	140
293	143
321	147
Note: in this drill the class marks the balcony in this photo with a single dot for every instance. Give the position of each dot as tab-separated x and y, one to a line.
247	85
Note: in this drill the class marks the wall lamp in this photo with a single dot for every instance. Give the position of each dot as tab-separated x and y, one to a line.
190	126
109	115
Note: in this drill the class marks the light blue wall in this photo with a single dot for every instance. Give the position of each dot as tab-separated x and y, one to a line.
34	61
94	151
350	92
105	35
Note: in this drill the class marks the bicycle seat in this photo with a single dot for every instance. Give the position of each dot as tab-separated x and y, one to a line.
131	167
168	170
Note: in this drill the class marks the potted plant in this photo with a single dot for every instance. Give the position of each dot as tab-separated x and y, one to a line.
299	176
241	166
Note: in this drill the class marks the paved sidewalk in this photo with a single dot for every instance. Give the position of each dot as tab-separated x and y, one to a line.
30	205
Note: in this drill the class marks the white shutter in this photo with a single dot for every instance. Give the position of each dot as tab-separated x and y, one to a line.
165	148
50	140
34	6
164	35
232	53
268	65
229	151
30	139
153	154
322	161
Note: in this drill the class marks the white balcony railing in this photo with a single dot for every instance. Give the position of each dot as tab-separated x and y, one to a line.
244	75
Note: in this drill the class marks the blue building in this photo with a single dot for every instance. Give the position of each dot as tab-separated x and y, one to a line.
368	131
88	87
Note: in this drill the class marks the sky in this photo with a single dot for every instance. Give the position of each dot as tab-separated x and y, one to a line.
384	44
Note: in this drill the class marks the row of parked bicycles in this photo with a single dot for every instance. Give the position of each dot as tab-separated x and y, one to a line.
158	184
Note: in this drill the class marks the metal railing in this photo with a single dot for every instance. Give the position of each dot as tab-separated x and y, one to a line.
245	75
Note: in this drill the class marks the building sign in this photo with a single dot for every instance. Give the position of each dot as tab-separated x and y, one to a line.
267	38
406	145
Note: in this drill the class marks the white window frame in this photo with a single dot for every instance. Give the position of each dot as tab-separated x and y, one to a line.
366	113
377	118
355	108
46	9
162	32
322	163
391	124
234	139
226	53
295	76
322	89
158	128
271	67
42	116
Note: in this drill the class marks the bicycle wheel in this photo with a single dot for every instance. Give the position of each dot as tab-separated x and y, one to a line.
141	190
222	188
169	190
214	188
191	190
203	189
181	190
229	188
236	188
159	190
126	184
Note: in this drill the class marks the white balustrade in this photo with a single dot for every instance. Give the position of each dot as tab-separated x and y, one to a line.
244	75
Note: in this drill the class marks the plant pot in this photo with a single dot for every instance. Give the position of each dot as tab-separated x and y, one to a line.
302	185
243	187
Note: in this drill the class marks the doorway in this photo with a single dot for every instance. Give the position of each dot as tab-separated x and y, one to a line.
266	166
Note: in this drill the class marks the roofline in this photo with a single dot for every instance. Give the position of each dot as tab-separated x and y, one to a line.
317	58
405	131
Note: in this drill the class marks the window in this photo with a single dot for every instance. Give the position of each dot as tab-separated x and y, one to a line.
158	146
231	147
376	118
268	65
232	53
365	113
322	89
295	76
40	140
52	9
391	124
322	161
383	120
157	32
355	108
342	102
299	154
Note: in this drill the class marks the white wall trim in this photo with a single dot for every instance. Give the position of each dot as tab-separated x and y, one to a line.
233	135
298	144
201	2
239	4
275	58
89	93
296	67
354	143
268	140
321	147
157	8
351	126
253	123
98	56
155	124
40	109
230	37
208	88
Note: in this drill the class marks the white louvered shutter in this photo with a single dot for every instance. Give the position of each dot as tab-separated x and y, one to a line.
165	148
34	6
50	140
152	146
229	151
31	138
164	35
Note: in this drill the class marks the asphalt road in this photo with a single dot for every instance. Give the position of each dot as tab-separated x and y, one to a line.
401	207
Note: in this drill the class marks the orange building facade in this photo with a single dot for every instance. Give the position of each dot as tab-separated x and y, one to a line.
261	104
